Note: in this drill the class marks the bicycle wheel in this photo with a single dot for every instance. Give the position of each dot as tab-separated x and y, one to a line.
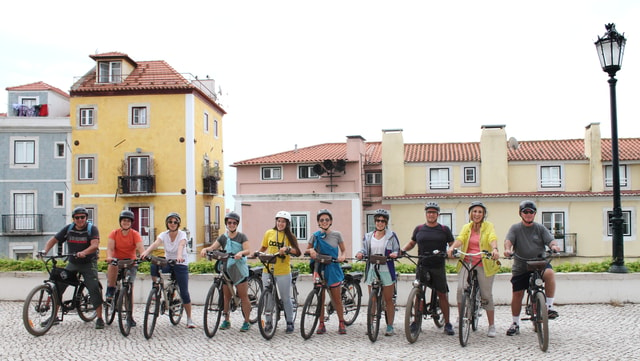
310	313
124	310
85	308
436	311
255	290
413	314
213	308
294	302
465	316
151	311
110	307
268	314
38	311
540	318
175	304
477	301
374	310
351	300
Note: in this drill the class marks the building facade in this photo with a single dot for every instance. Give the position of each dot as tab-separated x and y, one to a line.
35	185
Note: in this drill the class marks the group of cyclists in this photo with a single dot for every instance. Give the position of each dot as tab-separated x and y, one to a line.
526	238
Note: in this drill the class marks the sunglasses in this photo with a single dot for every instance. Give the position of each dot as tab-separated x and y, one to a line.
324	220
382	220
528	211
173	222
79	217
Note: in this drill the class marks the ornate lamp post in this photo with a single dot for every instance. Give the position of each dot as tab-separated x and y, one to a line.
610	51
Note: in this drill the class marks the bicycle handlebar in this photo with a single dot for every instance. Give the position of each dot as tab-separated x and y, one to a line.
458	253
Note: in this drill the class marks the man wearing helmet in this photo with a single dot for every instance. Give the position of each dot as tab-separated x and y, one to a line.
280	240
429	237
83	242
329	242
123	243
528	239
236	243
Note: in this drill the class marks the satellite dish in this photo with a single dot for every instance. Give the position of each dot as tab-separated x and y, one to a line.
513	143
318	169
340	165
328	164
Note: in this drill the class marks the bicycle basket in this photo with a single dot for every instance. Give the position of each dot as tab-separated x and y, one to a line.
159	261
217	255
536	265
59	274
377	259
324	259
125	263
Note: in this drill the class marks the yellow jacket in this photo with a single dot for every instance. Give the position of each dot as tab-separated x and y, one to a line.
487	235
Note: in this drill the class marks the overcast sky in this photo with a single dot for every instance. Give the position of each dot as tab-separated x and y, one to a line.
308	72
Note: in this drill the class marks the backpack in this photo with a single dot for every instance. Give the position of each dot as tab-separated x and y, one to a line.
69	228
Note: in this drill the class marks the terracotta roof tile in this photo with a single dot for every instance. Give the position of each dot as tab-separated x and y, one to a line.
442	152
628	149
37	86
314	154
564	149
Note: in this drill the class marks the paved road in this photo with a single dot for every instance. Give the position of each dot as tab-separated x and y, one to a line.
583	332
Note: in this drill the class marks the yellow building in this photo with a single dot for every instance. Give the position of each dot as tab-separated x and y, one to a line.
148	139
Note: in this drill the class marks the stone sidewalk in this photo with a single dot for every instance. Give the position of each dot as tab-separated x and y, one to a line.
582	332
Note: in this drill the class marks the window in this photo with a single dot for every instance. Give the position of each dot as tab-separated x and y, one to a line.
626	223
91	214
138	116
608	176
58	199
554	222
469	175
216	215
86	168
371	222
271	173
29	101
24	209
439	178
299	224
109	72
206	123
24	152
59	150
446	219
306	172
86	117
550	176
215	128
373	178
138	170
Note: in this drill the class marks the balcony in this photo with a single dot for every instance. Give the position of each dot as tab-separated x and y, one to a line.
139	184
21	224
210	185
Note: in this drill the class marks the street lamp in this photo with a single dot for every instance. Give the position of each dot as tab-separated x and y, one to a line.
610	51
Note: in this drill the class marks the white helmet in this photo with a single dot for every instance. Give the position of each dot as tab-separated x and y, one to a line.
284	214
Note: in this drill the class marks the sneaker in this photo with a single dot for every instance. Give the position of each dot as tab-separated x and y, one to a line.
245	327
225	325
99	324
448	329
268	327
190	323
109	293
413	327
55	322
492	331
132	322
514	329
390	331
289	327
553	314
321	329
342	329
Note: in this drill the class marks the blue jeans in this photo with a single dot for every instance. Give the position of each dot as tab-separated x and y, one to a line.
182	277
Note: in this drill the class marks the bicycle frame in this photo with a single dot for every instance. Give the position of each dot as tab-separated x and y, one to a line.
161	298
469	306
315	300
376	301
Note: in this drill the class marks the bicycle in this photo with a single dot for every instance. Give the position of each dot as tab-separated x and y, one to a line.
351	294
469	311
536	304
376	300
270	303
214	302
163	297
39	312
254	284
122	300
417	307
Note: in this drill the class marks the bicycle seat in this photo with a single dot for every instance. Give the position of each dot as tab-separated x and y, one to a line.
324	259
536	265
377	259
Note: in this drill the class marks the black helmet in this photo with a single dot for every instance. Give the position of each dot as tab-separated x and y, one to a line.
528	205
324	211
172	215
126	214
381	212
433	205
476	204
232	215
79	210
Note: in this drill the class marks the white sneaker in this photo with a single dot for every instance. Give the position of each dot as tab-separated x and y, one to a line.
492	331
190	323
